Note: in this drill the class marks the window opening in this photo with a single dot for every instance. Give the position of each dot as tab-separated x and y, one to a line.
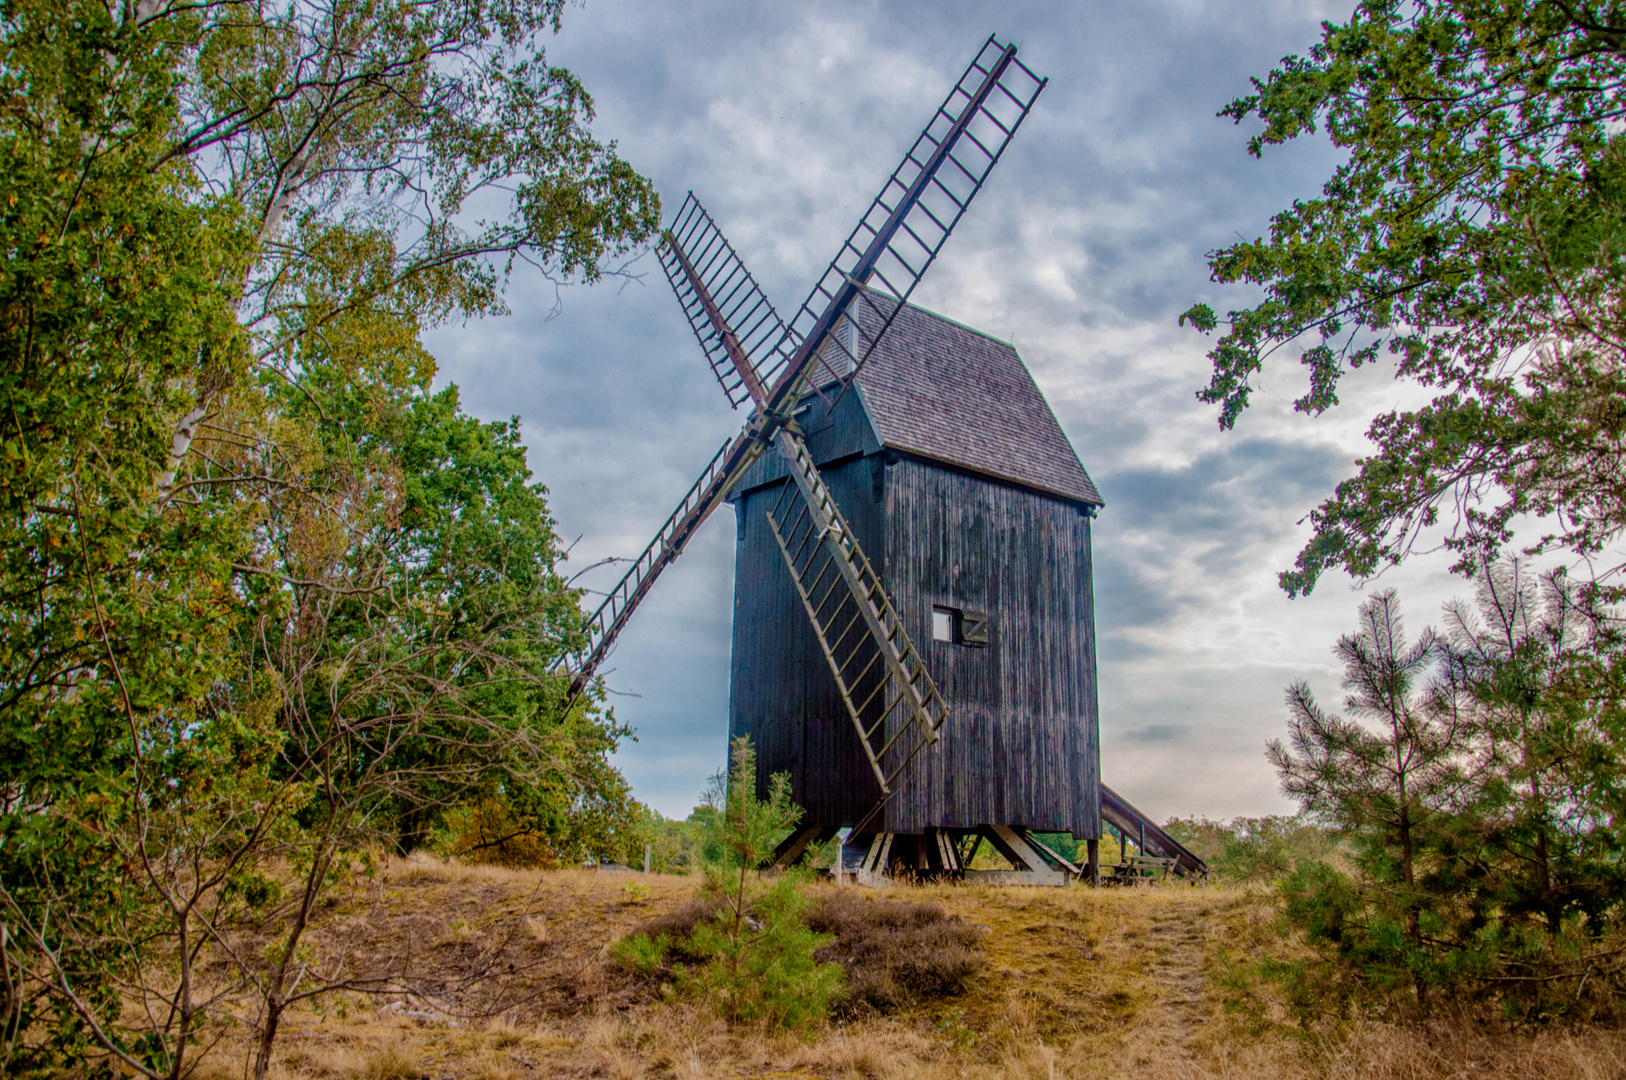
957	627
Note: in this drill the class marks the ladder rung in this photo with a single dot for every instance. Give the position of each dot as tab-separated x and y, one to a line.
873	660
857	618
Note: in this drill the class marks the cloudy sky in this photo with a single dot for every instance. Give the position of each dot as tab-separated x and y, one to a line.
1085	246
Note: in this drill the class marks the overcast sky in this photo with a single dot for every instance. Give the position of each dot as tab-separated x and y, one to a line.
1085	246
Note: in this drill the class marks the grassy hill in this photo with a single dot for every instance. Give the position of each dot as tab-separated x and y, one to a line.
499	974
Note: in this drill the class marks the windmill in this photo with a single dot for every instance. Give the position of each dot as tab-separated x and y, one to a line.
865	762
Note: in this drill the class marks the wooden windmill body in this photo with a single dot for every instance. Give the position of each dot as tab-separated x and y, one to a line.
959	483
911	518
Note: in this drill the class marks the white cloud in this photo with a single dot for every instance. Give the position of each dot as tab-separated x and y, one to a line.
1083	249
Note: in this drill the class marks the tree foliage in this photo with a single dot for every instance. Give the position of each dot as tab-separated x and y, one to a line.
1257	850
1383	783
1543	843
1478	801
1476	234
264	592
753	959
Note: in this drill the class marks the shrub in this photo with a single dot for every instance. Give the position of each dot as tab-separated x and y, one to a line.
488	832
1255	850
895	953
892	953
1062	843
767	969
771	972
749	951
666	940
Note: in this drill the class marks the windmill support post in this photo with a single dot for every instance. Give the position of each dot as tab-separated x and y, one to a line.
948	853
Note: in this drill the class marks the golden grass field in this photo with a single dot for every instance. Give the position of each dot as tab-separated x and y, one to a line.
514	981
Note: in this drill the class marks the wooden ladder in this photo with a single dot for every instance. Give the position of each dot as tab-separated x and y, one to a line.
894	705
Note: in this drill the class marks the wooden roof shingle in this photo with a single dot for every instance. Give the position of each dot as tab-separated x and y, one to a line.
942	391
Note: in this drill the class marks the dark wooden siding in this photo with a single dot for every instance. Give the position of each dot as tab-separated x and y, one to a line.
781	692
1021	747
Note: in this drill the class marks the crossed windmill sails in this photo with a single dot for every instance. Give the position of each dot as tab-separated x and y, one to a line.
771	367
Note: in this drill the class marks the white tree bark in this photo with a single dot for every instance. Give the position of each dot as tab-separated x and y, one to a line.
179	444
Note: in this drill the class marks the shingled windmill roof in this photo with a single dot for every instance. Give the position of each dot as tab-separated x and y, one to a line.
943	391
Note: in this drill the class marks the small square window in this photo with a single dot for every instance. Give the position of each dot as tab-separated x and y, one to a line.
956	627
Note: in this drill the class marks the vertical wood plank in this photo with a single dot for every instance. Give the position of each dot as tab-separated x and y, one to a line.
1022	746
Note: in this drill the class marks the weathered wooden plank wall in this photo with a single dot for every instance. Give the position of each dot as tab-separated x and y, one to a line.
781	692
1022	746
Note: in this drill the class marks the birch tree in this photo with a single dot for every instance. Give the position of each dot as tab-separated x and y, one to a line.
226	226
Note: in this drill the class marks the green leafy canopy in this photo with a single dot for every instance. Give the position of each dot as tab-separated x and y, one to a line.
266	596
1476	234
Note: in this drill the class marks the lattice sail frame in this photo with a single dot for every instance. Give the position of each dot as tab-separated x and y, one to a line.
716	289
905	228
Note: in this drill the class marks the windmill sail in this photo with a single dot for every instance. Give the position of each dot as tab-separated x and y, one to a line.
704	496
717	291
910	220
757	358
886	689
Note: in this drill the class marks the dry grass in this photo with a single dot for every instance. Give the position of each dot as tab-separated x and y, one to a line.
511	980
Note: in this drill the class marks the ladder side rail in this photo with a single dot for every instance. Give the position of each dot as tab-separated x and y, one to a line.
835	669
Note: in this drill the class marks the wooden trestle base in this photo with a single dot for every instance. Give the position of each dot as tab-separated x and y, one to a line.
871	857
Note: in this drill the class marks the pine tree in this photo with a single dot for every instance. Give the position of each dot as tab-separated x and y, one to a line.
1383	780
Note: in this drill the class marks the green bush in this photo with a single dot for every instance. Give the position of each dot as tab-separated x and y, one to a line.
892	953
745	948
768	972
1473	787
1247	850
